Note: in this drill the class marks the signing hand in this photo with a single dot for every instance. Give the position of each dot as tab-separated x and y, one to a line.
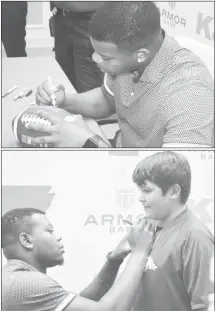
63	133
45	93
121	250
141	237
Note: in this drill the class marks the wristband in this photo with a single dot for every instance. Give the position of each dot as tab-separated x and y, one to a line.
92	142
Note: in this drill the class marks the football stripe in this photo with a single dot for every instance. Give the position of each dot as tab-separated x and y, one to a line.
15	123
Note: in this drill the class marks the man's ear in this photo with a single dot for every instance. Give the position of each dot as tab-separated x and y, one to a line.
175	191
142	55
26	240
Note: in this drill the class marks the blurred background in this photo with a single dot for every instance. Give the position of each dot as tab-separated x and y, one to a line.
190	19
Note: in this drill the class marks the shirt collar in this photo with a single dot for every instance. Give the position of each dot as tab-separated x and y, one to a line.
21	264
183	215
155	70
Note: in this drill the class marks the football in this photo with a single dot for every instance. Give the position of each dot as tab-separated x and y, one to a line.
30	115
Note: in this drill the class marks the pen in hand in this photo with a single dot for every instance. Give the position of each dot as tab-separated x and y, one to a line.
53	96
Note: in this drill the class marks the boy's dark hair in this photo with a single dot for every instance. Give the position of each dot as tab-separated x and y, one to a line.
125	23
14	221
165	169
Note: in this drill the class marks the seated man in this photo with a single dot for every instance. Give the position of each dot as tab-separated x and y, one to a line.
31	246
161	93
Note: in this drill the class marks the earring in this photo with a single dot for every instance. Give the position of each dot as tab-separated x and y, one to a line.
140	60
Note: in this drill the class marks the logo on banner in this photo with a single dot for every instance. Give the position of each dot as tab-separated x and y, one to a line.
171	18
205	26
126	197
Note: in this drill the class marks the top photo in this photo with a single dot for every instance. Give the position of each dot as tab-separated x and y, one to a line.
129	74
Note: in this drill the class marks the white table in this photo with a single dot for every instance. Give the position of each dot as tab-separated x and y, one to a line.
28	73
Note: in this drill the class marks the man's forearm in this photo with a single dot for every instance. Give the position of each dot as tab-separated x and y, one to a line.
90	104
123	293
102	282
79	6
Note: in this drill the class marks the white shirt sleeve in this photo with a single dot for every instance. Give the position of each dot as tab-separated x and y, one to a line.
108	84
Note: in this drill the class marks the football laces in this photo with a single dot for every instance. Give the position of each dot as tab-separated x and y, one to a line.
29	118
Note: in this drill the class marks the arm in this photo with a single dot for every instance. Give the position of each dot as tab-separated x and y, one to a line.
103	281
79	6
122	295
106	277
73	133
195	273
103	144
93	104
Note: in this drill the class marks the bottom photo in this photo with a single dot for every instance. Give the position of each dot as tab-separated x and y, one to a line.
107	230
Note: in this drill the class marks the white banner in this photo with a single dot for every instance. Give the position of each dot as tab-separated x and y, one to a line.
190	19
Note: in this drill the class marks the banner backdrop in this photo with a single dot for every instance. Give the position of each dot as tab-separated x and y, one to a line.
190	19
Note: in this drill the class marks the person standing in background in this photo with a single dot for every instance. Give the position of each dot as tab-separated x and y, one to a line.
13	22
73	49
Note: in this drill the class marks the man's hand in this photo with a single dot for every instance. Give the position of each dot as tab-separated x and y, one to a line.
121	250
45	94
124	248
141	237
71	133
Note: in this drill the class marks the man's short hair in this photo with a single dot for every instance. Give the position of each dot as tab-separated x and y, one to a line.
14	221
127	24
165	169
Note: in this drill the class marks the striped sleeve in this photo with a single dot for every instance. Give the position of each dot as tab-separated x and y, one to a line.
195	273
